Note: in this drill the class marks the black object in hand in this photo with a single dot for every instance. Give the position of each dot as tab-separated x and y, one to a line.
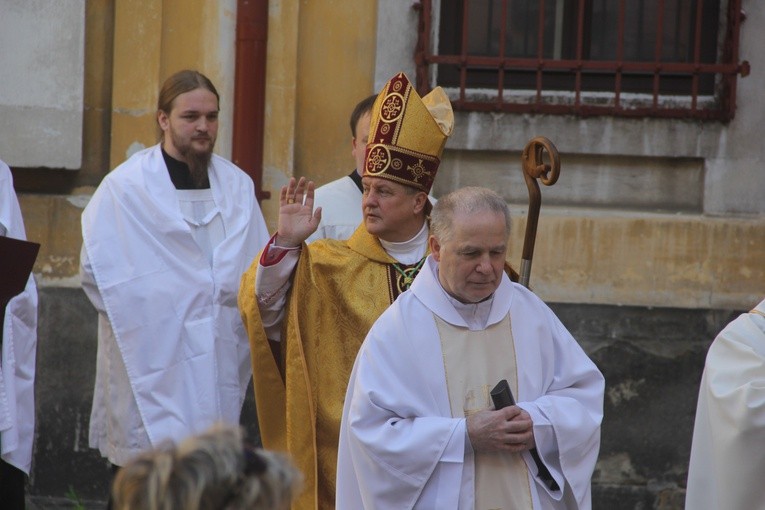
503	397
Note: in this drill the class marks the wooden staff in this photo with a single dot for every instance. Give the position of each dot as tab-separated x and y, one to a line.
535	167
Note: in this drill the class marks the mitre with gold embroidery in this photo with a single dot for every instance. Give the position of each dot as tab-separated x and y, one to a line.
407	134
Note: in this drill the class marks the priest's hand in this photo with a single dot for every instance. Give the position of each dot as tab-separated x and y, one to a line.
509	429
297	219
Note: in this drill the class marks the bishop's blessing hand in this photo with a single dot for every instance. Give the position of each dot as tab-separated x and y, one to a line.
297	219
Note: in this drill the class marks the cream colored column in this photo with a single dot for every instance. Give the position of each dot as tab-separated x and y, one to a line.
336	57
136	74
281	90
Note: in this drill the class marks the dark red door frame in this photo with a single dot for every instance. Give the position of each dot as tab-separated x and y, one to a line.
250	90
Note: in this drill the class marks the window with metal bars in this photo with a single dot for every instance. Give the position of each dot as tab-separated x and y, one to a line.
654	58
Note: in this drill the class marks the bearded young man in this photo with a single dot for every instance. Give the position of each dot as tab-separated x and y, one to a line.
166	238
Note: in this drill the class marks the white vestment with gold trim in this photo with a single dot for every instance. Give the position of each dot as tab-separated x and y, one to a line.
400	446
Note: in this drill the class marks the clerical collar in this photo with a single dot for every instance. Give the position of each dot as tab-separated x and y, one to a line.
411	251
179	172
475	315
356	178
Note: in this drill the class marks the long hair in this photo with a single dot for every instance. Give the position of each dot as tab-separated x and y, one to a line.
180	83
177	84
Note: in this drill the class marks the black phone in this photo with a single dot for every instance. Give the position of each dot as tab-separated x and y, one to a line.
501	395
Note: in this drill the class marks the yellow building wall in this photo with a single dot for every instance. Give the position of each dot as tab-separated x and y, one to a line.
153	40
281	91
131	46
320	63
644	259
135	76
336	58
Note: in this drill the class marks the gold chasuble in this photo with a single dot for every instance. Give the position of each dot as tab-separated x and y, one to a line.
339	289
474	361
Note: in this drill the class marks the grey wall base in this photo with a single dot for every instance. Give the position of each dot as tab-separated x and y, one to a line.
652	360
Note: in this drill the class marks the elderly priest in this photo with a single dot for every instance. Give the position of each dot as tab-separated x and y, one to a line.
419	429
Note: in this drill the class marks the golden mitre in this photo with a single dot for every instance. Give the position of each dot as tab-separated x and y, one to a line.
407	134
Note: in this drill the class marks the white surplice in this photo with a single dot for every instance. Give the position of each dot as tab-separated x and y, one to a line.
728	449
173	356
399	445
17	367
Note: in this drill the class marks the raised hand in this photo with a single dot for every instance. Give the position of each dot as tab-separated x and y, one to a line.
297	219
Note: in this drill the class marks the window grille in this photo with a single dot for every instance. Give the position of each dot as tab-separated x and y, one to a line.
629	58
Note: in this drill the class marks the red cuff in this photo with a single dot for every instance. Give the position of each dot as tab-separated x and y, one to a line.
266	260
